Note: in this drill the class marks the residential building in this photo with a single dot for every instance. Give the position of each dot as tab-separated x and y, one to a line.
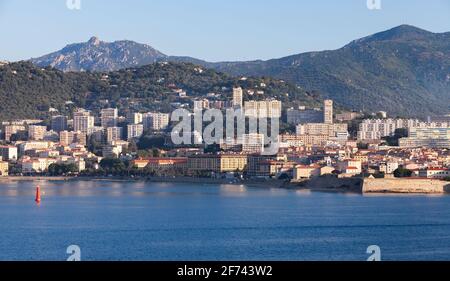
4	168
67	138
109	117
13	129
135	131
155	121
113	134
433	137
8	153
303	115
238	94
252	143
328	112
59	123
82	121
36	132
270	108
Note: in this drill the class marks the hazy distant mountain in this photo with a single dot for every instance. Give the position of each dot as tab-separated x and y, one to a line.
96	55
405	70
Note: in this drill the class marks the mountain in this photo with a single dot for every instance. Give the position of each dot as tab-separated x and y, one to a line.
96	55
28	91
404	71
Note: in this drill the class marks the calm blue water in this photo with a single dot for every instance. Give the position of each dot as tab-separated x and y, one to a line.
149	221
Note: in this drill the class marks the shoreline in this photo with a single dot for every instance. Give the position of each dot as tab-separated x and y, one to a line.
326	184
257	183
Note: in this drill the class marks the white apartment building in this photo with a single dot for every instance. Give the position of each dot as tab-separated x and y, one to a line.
13	129
375	129
8	153
109	117
134	118
328	112
155	121
263	109
252	143
82	121
113	134
36	132
135	131
238	95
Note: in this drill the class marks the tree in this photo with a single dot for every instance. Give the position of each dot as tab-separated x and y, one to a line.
60	169
113	166
402	173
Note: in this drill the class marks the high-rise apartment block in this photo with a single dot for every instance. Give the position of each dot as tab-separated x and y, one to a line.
238	96
155	121
82	121
113	134
328	112
109	117
36	132
59	123
135	131
67	138
263	109
13	129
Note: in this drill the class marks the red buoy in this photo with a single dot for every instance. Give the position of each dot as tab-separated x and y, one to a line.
38	195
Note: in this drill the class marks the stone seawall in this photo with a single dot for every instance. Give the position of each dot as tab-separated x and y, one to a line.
396	185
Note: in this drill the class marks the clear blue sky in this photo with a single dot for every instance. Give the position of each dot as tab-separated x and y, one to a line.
214	30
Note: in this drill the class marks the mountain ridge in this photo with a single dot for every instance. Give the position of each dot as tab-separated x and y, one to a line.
397	70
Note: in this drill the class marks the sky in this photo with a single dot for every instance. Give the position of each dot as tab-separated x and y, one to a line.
213	30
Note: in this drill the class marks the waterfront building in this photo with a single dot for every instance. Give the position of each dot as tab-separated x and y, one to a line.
135	131
161	165
349	166
8	153
59	123
388	167
82	121
109	117
256	164
4	168
306	172
36	165
434	173
222	163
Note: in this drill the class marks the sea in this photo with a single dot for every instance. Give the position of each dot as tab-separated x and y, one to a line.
106	220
